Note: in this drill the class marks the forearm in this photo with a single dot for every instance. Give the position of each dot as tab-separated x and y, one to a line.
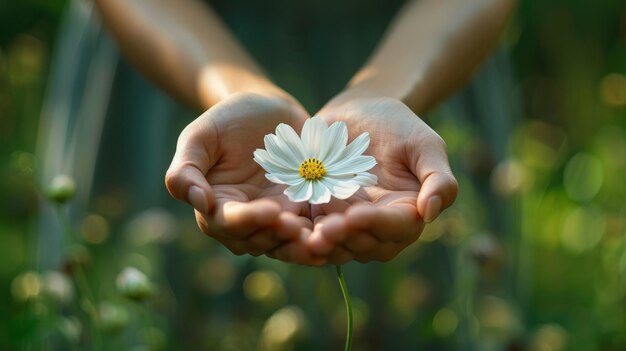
184	48
431	49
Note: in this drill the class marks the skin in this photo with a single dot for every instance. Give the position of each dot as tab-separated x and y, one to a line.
235	203
183	47
380	221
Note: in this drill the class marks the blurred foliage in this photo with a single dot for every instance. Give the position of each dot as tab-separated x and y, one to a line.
556	281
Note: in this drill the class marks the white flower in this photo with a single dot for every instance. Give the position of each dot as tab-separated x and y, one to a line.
319	164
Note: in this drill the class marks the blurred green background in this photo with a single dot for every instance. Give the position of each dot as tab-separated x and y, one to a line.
557	281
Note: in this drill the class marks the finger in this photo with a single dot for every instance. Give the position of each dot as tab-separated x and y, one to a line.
340	256
383	253
297	252
205	224
185	178
334	206
326	234
240	219
261	242
255	244
439	187
387	223
359	242
207	227
233	245
290	225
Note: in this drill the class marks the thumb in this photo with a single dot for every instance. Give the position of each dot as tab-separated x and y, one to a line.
186	177
439	187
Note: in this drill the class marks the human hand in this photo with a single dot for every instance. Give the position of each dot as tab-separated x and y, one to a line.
415	184
213	170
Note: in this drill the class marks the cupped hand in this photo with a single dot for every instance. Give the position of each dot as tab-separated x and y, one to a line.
415	184
213	170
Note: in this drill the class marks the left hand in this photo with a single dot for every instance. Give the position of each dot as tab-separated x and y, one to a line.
415	184
213	170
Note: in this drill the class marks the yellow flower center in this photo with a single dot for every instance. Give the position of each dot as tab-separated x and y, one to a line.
312	169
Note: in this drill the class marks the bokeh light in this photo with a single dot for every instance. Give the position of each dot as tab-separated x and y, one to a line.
58	287
239	336
71	328
613	90
26	286
583	177
411	292
23	161
216	275
583	229
112	317
26	60
445	322
283	328
510	177
549	337
498	318
95	229
539	144
264	287
154	225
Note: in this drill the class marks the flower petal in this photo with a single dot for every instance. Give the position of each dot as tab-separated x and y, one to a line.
284	178
300	192
357	146
270	164
352	165
292	140
361	179
334	143
279	150
312	135
321	194
365	179
339	189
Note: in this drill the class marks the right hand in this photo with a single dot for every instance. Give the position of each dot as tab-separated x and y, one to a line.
214	171
415	183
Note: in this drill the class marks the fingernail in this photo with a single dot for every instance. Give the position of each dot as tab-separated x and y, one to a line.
433	207
198	199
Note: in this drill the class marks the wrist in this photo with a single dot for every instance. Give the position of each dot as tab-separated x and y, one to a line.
219	82
354	96
372	82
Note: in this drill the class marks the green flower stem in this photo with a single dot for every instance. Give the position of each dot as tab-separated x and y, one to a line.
80	278
346	297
